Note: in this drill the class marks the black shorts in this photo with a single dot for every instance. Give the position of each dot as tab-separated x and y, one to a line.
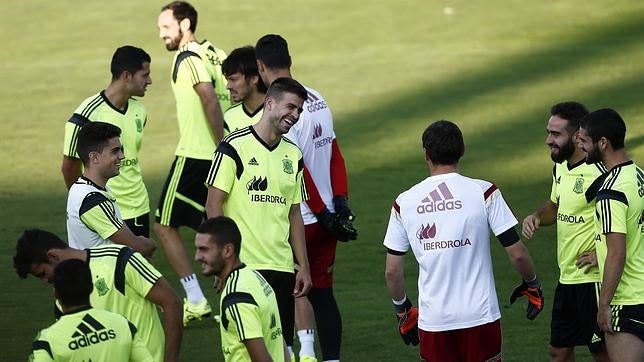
628	319
574	317
283	284
139	225
184	194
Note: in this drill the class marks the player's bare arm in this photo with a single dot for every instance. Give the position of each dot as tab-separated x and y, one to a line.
212	109
298	244
215	202
71	169
167	299
521	260
544	215
395	275
613	269
141	244
257	350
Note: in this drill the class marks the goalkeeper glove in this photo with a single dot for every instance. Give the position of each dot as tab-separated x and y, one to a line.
532	290
344	229
342	208
327	220
407	322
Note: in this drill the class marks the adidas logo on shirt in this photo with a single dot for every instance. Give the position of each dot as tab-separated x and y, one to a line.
88	332
439	199
253	162
317	131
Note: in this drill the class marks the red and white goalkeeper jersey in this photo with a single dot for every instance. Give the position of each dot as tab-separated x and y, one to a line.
314	134
446	220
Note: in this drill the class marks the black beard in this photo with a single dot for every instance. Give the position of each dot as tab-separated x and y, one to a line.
564	152
593	156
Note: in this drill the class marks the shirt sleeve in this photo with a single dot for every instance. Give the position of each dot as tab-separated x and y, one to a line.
242	316
499	215
396	235
98	213
40	349
554	195
301	193
140	275
72	126
194	69
611	209
226	166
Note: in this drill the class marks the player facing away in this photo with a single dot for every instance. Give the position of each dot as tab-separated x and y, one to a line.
246	89
84	333
445	220
326	215
256	180
124	283
130	68
93	217
250	321
574	308
619	224
199	90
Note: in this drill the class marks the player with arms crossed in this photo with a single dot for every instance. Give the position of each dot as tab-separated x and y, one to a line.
256	180
116	104
246	88
85	333
575	302
199	89
250	321
124	283
619	214
326	214
445	220
93	218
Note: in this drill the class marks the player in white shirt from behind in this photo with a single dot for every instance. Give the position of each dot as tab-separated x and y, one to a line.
445	220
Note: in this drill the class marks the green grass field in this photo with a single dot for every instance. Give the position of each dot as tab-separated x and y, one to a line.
386	68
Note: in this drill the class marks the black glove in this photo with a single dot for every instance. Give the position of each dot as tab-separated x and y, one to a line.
407	316
327	220
344	229
342	208
532	290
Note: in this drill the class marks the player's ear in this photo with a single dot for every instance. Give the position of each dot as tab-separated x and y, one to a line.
53	256
184	25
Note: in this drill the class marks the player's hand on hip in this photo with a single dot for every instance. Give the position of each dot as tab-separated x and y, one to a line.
302	283
530	226
604	319
587	260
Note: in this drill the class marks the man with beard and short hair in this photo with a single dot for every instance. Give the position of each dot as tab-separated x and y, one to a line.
619	218
250	321
575	302
199	89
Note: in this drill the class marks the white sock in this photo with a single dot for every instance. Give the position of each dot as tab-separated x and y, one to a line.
290	353
192	288
306	337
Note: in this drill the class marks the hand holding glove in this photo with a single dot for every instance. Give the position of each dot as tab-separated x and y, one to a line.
531	290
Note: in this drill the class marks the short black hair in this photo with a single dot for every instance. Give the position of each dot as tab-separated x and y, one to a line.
571	111
443	143
242	60
272	50
183	10
286	85
73	282
32	248
222	230
605	122
93	137
128	58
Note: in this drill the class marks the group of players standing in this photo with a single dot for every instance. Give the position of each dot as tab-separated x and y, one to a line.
597	203
277	182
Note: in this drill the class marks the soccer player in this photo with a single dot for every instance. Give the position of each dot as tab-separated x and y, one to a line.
124	283
574	308
85	333
326	214
256	180
246	89
445	220
619	224
250	321
200	92
93	218
116	104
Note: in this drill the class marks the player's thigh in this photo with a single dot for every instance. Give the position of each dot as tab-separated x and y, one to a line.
481	343
572	324
625	347
438	346
320	248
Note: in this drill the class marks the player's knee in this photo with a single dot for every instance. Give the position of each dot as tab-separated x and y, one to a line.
560	354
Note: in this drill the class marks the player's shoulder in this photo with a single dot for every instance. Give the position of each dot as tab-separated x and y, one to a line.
107	251
208	46
239	137
290	145
89	104
234	110
486	187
